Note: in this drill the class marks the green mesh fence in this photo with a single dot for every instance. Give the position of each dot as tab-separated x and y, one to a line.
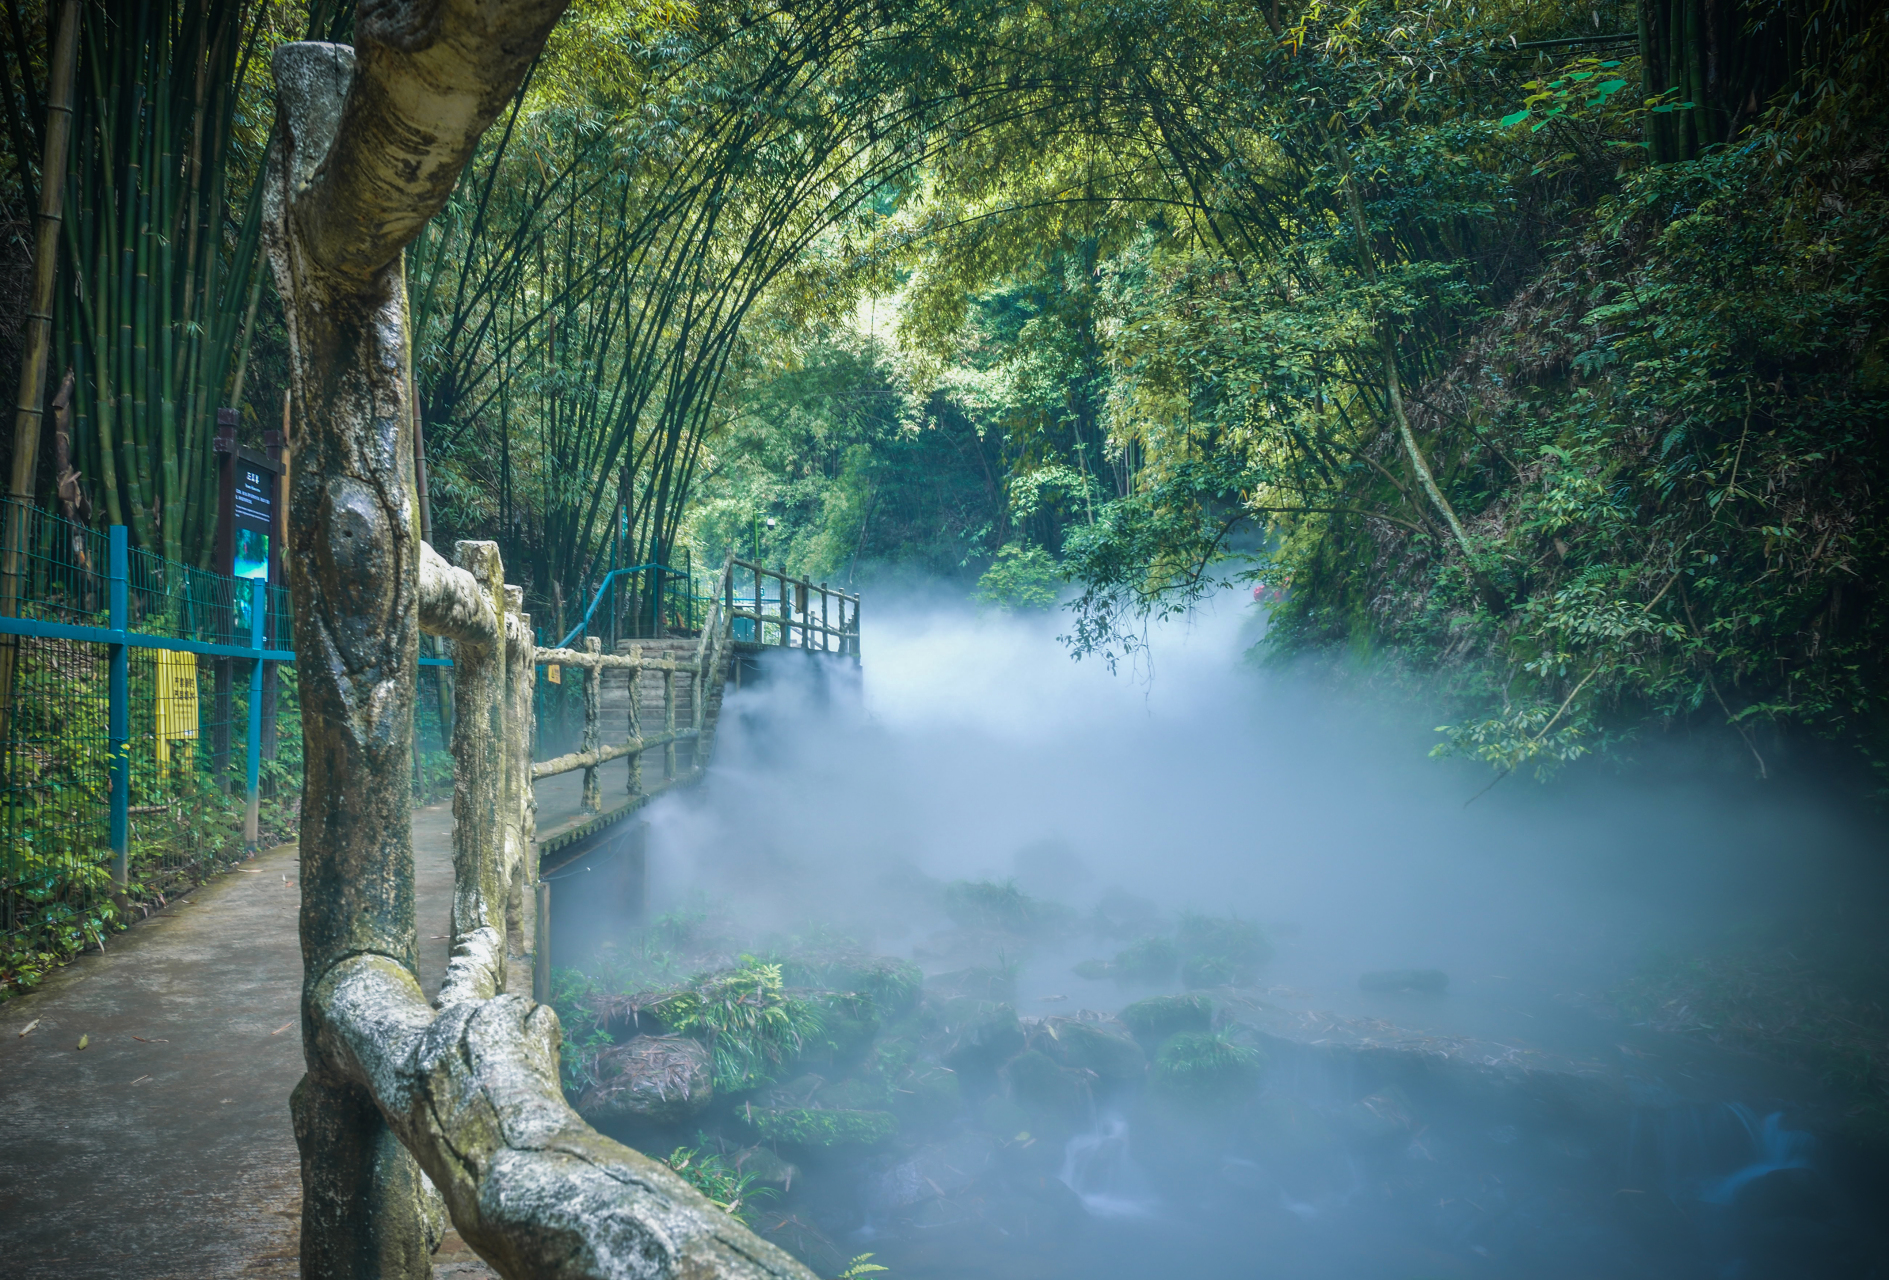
188	725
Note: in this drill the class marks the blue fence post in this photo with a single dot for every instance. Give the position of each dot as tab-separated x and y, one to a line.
118	719
258	611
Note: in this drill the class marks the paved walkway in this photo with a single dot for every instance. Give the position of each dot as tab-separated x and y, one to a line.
163	1147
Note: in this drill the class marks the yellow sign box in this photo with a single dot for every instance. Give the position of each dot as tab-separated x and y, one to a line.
176	702
552	674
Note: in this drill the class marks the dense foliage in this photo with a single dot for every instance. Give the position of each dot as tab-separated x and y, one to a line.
1530	351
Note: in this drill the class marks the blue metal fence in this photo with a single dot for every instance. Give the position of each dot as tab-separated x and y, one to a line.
149	732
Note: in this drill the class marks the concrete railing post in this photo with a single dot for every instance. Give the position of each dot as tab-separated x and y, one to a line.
633	679
593	729
669	724
118	713
521	675
541	944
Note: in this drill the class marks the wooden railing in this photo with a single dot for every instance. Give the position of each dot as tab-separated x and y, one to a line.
791	618
800	615
704	676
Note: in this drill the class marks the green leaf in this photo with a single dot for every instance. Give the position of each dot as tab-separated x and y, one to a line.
1515	119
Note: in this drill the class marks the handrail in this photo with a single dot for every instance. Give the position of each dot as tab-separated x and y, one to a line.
597	599
705	675
800	601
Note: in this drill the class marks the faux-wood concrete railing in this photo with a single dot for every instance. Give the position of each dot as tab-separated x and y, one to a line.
704	677
410	1109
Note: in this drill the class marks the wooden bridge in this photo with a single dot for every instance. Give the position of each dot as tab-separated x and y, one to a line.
655	704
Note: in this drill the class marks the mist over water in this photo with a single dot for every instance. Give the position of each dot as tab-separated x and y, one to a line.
971	747
978	749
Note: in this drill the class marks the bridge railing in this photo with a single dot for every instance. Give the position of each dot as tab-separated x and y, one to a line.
696	679
786	617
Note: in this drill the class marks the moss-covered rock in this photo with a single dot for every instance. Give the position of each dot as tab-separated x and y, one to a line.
890	983
1147	960
1214	971
657	1079
893	984
940	1169
765	1167
1094	970
1228	945
1036	1080
1105	1050
1203	1067
976	983
978	1035
859	1093
1153	1020
926	1096
820	1127
1001	906
848	1023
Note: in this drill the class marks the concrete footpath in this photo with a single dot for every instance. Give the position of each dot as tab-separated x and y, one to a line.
163	1147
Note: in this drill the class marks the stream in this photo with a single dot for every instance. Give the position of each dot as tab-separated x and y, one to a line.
1495	1115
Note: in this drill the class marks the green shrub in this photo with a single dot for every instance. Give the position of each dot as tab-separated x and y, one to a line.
728	1189
811	1127
1020	579
1155	1019
751	1026
1212	971
1149	960
1206	1067
990	904
1087	1046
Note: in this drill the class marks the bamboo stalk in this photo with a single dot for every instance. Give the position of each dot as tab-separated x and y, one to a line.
29	415
29	411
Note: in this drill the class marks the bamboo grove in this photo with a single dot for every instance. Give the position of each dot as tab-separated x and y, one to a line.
581	304
163	296
1413	304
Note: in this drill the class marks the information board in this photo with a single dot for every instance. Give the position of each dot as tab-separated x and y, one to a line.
252	518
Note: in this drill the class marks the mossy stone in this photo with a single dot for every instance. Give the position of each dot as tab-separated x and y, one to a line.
891	984
1153	1020
869	1093
1216	971
848	1024
1148	960
1091	1046
657	1079
819	1127
1200	1067
980	1035
926	1095
1036	1080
